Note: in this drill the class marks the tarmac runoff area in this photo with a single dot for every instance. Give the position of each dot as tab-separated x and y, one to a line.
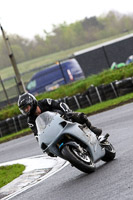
38	168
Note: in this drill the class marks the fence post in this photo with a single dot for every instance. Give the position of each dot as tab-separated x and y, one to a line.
106	57
13	62
18	90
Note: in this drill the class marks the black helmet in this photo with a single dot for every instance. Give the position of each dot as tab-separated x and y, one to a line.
25	100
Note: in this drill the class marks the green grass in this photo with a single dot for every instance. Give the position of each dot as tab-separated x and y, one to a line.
15	135
9	173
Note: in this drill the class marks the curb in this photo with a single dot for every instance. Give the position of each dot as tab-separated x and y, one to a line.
38	168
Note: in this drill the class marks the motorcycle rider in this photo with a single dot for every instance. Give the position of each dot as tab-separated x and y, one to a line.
28	105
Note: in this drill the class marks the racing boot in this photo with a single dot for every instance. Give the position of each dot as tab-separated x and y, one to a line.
94	129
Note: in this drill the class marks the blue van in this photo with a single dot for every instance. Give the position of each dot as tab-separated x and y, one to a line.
52	77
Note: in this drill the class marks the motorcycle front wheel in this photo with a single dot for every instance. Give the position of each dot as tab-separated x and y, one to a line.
79	158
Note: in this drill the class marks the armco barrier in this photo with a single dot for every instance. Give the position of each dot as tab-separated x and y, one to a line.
93	94
124	86
110	91
22	121
73	103
3	128
12	125
84	101
90	97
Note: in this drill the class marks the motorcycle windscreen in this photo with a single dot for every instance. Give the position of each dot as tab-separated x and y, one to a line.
43	120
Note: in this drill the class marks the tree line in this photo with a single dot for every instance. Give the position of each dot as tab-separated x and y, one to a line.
64	36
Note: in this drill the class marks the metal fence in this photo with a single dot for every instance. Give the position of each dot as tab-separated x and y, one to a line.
95	59
9	91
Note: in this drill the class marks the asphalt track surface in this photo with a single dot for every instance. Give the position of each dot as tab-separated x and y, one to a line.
112	181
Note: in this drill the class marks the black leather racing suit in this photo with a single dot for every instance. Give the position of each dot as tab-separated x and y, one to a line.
62	108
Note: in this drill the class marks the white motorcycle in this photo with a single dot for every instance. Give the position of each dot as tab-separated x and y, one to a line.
72	141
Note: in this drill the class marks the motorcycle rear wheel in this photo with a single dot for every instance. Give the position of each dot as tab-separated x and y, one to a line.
80	160
110	152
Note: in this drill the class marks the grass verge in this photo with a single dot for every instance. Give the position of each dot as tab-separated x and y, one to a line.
9	173
12	136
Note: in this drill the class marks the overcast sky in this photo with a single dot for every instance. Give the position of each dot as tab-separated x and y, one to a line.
30	17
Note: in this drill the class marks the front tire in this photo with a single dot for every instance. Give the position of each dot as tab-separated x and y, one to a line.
78	158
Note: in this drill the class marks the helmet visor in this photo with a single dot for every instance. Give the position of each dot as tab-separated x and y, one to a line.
25	110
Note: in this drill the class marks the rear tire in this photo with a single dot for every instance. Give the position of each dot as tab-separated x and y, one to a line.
109	152
80	160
